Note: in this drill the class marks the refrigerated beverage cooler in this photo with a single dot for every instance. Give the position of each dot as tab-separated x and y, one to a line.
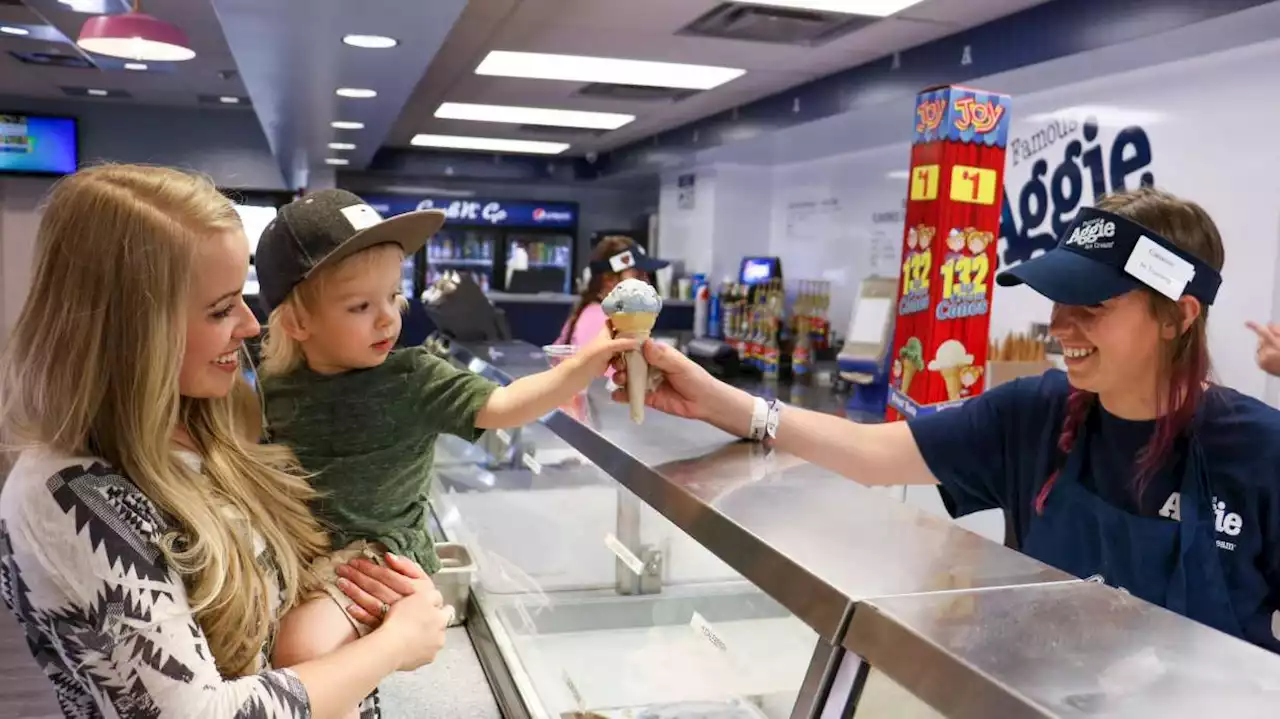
483	239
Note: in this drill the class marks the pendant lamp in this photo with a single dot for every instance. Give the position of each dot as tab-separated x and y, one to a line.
135	35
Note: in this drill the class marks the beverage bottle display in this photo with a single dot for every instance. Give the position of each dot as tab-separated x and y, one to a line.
714	313
700	308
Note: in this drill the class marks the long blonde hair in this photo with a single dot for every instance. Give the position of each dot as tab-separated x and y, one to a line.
91	368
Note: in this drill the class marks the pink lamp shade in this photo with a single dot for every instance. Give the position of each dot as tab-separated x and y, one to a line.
135	36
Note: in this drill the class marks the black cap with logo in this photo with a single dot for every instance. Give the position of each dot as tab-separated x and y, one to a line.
325	227
631	257
1102	255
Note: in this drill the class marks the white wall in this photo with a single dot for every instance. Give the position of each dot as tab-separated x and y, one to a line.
1201	118
725	222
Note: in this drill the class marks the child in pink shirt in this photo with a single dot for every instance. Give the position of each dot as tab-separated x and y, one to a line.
614	259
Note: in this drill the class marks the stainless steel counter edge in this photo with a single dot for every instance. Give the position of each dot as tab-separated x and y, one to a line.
813	541
966	625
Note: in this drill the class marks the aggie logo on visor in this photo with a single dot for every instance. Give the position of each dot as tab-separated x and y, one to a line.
1094	234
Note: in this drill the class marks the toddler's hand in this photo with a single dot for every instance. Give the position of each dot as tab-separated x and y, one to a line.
594	359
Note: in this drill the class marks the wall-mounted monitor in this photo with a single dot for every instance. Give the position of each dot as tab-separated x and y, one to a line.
38	144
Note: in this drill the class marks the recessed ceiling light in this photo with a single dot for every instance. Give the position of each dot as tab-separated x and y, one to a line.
342	146
135	66
229	100
533	116
97	93
10	30
373	42
346	125
337	161
356	92
872	8
496	144
579	68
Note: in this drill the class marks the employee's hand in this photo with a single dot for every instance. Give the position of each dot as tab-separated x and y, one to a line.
688	390
1268	353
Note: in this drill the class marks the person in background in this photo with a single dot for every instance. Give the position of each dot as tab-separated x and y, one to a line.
148	542
613	260
1129	467
1268	353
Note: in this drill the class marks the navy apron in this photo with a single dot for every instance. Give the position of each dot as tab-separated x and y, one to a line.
1170	563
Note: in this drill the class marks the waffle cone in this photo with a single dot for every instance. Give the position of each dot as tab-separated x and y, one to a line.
628	322
951	375
908	374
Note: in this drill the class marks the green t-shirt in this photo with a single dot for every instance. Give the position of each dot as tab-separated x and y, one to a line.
369	438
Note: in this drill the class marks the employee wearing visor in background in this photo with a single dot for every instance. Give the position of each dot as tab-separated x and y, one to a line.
1129	467
613	260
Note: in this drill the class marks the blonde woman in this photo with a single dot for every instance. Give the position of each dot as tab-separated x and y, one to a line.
146	544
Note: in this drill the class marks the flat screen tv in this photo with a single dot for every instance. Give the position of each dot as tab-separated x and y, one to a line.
38	144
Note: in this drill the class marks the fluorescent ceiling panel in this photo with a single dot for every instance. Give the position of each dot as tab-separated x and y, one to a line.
870	8
493	144
580	68
533	116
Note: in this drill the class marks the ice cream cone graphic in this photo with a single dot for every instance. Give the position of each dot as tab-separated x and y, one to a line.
951	375
950	361
633	308
912	356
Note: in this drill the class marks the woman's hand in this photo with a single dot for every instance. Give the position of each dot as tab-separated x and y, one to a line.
688	390
371	586
401	599
1268	353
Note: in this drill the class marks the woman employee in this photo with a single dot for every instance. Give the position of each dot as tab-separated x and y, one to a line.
1130	467
613	260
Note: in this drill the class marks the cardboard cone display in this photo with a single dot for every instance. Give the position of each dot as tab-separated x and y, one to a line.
636	325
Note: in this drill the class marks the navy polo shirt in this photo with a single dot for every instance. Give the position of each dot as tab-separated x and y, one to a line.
997	450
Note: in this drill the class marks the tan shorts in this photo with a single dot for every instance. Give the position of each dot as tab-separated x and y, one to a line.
325	572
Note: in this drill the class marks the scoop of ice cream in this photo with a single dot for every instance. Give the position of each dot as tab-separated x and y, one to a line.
913	352
951	354
632	296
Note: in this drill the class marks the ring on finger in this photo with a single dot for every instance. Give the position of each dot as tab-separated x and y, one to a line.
384	610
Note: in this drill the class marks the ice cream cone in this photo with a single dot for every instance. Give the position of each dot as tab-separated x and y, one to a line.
635	325
951	375
908	373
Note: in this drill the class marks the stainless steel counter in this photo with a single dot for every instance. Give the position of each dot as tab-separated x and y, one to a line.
1079	649
961	624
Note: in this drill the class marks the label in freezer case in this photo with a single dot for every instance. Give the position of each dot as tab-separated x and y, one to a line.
703	628
573	690
532	464
623	554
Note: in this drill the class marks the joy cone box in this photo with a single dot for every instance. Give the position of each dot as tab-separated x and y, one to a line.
949	255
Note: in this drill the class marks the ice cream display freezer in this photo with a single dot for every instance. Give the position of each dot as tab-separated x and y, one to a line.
668	570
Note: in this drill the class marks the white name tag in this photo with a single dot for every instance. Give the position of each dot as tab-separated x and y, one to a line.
1159	269
361	216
